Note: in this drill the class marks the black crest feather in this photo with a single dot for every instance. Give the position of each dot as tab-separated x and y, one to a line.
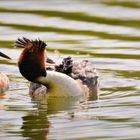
22	42
39	43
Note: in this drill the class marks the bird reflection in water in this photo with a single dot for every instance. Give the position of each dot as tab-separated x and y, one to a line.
36	125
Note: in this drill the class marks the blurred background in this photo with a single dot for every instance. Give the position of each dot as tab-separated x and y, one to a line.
106	32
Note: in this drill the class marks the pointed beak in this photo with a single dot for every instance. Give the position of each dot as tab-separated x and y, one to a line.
4	55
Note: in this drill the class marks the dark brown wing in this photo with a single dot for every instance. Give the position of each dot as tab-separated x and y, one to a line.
85	71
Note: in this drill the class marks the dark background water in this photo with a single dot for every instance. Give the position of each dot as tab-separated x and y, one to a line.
105	32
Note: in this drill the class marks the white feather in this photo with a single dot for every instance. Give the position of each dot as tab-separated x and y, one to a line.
59	84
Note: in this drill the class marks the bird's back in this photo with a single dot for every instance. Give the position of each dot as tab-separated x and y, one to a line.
83	71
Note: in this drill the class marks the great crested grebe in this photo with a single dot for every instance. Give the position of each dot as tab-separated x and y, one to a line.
67	79
4	81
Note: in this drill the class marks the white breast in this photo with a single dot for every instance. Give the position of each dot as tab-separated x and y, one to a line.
59	84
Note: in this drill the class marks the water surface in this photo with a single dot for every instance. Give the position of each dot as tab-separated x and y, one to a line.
106	33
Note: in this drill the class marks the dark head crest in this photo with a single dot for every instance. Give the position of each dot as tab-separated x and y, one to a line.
31	62
24	42
39	43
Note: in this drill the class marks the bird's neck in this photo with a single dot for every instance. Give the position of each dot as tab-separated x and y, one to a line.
59	84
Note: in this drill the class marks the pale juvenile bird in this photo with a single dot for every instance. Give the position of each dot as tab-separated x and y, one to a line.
4	80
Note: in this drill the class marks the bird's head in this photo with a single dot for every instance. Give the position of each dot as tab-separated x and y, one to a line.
31	61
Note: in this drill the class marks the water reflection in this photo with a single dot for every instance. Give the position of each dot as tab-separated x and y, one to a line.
36	124
107	33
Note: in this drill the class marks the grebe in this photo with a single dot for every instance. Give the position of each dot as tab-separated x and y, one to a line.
67	79
4	81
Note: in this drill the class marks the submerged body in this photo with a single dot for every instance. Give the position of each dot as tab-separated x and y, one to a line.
4	80
67	79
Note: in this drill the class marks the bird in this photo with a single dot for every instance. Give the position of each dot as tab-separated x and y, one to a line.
4	80
70	78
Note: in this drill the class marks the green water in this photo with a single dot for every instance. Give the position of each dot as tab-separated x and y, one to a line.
104	32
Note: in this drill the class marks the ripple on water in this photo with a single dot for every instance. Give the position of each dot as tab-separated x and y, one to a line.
106	33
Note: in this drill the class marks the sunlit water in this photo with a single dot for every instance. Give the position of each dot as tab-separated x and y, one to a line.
106	33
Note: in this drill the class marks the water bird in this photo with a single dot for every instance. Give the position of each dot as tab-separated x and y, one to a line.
70	78
4	80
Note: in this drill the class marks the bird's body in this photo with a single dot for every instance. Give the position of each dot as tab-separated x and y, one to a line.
83	75
59	84
4	80
71	78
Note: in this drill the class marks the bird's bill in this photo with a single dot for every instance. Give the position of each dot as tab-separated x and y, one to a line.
4	55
